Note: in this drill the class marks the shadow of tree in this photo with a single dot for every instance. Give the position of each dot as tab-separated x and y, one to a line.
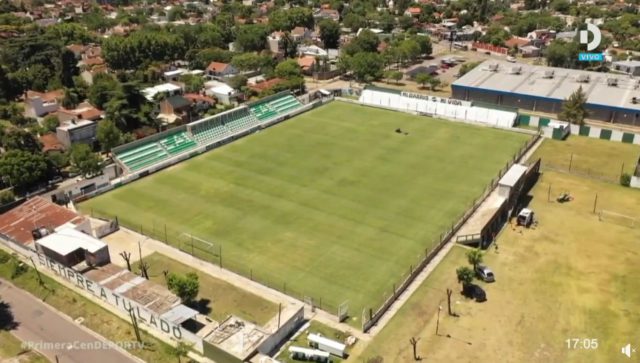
7	321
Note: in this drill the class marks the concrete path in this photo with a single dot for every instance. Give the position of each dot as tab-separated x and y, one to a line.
38	322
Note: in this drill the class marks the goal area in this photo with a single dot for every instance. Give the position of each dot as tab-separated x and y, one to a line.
617	218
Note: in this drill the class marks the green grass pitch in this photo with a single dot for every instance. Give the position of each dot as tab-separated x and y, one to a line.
333	203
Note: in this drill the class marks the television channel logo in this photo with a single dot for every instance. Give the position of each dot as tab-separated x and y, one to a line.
591	45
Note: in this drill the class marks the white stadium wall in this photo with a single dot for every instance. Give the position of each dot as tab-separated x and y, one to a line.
437	106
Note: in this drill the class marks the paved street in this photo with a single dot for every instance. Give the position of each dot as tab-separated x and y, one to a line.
37	322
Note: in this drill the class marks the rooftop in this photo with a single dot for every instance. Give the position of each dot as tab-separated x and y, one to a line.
602	89
34	213
68	240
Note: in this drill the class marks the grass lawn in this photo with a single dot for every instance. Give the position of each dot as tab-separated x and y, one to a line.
223	298
333	204
10	347
95	317
301	341
571	276
590	156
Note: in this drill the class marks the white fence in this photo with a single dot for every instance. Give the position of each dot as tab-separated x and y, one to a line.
441	107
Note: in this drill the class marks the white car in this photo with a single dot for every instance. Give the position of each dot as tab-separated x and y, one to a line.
511	59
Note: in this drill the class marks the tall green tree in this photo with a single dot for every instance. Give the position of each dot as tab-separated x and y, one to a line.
475	257
23	169
423	79
465	276
22	140
185	286
574	108
251	37
367	66
85	161
109	136
329	33
68	68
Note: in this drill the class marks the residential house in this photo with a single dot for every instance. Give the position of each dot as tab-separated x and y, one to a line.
413	11
529	51
314	50
200	103
274	42
175	109
517	42
260	86
50	143
222	92
77	131
327	14
220	70
300	34
84	111
307	64
627	67
165	89
39	104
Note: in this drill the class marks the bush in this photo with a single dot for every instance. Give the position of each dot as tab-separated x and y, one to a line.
4	257
6	196
625	179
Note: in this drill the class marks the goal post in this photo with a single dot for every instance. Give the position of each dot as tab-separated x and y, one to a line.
617	218
197	246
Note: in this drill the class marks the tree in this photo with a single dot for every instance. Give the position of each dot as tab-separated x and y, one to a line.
102	89
366	66
6	196
573	108
465	276
405	22
50	123
247	61
465	68
68	68
562	54
181	350
71	97
354	21
396	76
23	169
329	33
186	287
288	69
251	38
423	78
85	161
475	257
21	140
192	83
434	82
237	82
109	136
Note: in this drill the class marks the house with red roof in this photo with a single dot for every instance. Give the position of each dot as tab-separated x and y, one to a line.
220	70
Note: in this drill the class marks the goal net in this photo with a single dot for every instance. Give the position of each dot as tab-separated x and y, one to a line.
617	218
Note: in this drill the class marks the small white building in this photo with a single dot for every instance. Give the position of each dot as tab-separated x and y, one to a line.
80	131
70	247
169	89
221	91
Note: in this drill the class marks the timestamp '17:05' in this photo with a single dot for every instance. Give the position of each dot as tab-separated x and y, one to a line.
582	343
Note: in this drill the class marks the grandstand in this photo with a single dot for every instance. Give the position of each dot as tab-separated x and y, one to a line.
143	155
442	107
204	132
271	108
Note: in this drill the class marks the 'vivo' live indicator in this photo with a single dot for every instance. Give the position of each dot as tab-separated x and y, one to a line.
591	57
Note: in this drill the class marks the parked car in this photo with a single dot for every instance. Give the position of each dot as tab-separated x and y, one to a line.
525	217
485	274
475	292
511	59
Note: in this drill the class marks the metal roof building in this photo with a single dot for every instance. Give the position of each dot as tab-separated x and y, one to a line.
610	97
